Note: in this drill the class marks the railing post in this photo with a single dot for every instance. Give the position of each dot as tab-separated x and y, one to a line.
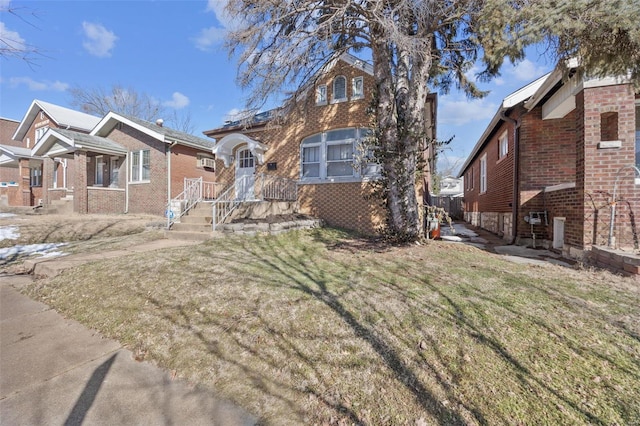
261	186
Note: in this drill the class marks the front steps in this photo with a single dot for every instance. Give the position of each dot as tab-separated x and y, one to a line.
62	206
259	218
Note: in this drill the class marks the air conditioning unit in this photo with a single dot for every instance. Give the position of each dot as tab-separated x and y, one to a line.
209	163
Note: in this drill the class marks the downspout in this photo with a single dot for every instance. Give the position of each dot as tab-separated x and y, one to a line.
516	171
169	171
127	159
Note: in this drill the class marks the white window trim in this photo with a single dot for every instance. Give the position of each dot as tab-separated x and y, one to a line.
503	141
483	174
335	100
355	96
356	176
99	160
140	166
318	101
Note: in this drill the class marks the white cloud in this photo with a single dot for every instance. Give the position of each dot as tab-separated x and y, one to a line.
459	111
209	38
99	41
4	4
213	36
39	86
525	70
11	40
178	101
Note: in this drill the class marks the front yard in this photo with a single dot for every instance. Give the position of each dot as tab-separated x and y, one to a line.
319	327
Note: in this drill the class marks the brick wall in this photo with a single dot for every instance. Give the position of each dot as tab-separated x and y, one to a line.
7	129
495	204
184	165
145	197
598	168
106	200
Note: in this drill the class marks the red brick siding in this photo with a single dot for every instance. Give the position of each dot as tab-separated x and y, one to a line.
184	165
600	167
7	129
565	203
106	200
499	193
144	197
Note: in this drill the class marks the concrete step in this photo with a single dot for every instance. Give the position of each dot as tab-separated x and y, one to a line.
191	235
195	220
191	227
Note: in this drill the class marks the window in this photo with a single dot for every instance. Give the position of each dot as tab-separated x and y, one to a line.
357	88
483	174
41	131
100	165
340	89
35	174
321	95
140	166
332	155
503	145
245	159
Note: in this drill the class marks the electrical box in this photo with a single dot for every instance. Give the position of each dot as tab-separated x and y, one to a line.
536	218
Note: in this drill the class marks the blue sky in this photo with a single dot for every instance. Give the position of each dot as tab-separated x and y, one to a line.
171	51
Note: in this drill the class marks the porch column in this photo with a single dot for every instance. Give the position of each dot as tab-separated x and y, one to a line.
80	192
24	181
47	179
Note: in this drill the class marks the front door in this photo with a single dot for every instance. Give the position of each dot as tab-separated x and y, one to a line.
245	175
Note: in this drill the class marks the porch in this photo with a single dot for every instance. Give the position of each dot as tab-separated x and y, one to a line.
205	206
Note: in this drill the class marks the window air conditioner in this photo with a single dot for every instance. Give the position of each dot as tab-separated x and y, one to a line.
207	162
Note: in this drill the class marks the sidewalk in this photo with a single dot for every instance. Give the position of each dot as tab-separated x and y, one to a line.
56	371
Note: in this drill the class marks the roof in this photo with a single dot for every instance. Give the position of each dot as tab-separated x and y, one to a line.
10	155
161	133
62	117
510	101
60	141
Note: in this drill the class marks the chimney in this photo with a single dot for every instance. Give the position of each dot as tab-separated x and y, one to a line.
160	122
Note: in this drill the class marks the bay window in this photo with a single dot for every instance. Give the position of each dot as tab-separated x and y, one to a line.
332	154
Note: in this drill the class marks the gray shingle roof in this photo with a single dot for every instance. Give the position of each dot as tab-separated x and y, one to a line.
90	141
172	134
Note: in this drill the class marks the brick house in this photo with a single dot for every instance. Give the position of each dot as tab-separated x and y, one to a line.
315	143
546	169
17	160
124	165
10	151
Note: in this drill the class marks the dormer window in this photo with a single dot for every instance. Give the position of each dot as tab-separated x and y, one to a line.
321	95
340	89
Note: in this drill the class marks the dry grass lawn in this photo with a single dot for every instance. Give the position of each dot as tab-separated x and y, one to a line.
319	327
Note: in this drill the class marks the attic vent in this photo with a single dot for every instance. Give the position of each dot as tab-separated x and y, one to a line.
208	163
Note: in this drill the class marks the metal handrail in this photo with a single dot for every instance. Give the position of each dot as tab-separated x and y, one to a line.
188	198
224	205
277	188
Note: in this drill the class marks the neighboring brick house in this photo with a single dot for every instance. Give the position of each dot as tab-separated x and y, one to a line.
124	165
316	143
10	150
17	158
546	168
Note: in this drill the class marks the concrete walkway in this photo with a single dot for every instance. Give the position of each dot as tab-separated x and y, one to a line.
55	371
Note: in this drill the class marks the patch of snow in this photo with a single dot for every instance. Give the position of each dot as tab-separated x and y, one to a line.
27	250
9	232
454	238
6	215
